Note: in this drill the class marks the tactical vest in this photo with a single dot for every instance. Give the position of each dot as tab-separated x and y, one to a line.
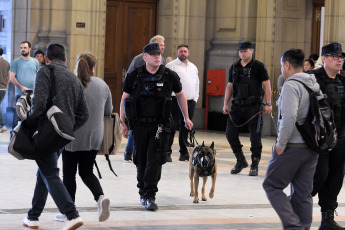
152	96
334	89
247	89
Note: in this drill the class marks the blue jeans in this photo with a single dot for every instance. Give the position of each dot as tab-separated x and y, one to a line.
48	180
130	143
2	96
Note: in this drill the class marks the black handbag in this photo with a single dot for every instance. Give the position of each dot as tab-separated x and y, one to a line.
52	131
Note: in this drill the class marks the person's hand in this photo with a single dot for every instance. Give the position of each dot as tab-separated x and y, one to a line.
23	89
278	150
268	109
226	109
189	124
124	130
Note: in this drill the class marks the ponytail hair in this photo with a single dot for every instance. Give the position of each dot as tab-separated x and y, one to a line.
84	66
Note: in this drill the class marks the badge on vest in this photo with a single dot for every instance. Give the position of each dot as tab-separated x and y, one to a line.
160	84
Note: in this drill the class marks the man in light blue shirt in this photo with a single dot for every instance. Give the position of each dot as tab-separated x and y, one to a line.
23	74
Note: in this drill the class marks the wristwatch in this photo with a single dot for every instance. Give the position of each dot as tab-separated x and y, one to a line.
269	104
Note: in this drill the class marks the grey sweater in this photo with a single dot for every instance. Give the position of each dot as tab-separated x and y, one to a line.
293	106
69	94
90	135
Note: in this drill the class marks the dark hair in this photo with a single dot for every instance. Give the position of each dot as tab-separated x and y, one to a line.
38	52
313	57
85	63
1	51
311	62
55	52
182	45
295	57
29	44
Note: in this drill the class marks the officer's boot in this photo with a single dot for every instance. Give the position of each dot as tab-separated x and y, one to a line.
240	164
327	221
254	167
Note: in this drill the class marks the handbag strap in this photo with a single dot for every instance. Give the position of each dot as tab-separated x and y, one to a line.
53	87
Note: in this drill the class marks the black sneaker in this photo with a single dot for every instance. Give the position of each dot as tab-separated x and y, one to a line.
142	201
127	157
151	204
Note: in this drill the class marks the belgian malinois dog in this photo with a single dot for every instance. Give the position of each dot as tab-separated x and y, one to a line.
202	163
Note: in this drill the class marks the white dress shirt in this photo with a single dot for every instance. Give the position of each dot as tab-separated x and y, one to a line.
188	76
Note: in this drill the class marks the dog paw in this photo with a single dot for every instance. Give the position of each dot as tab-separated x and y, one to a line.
203	199
191	194
196	201
211	195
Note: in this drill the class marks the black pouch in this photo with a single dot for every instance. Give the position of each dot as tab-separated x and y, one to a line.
163	144
167	104
130	108
242	91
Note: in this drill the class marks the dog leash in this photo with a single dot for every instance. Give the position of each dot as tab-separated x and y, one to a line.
237	126
192	139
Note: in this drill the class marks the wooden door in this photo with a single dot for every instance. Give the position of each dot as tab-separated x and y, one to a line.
316	26
130	24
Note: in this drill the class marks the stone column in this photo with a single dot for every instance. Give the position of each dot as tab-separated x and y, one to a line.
334	22
184	21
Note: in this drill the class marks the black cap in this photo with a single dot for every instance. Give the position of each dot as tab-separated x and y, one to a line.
152	48
245	45
333	48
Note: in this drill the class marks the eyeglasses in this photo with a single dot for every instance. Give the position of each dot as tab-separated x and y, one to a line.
336	57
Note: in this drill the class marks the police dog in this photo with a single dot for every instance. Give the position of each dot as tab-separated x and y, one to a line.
202	163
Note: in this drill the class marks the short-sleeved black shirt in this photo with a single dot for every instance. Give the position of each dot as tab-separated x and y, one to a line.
171	78
258	70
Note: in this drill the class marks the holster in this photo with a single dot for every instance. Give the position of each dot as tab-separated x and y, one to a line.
163	143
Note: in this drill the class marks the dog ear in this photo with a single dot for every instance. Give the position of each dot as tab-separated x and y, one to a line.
203	144
212	145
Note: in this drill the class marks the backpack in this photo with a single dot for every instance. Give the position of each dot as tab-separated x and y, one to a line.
318	130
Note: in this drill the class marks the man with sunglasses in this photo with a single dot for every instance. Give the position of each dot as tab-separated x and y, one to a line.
247	78
328	178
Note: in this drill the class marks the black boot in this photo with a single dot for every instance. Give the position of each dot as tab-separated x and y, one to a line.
327	222
241	163
169	157
254	167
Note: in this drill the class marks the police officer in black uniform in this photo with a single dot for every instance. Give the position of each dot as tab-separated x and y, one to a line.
329	175
247	77
146	103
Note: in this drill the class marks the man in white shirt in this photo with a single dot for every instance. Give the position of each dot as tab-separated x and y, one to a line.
189	78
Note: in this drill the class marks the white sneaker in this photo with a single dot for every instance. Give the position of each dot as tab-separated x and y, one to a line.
60	217
3	129
103	208
73	224
33	224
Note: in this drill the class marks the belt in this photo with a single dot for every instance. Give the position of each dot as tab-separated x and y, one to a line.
297	145
147	120
247	101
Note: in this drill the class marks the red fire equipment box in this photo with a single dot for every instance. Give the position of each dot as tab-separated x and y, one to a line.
215	86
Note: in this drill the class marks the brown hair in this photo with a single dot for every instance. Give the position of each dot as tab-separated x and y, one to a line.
85	63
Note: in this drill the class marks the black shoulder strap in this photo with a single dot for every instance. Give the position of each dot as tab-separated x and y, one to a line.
53	87
305	86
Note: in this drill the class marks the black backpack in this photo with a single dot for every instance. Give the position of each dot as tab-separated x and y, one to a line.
318	130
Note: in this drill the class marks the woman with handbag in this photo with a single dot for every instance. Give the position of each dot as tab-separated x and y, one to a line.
81	153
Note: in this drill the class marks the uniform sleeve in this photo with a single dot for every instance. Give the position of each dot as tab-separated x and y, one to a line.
230	73
128	83
177	86
263	72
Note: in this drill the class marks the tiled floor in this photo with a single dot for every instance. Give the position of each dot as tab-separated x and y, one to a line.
239	201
